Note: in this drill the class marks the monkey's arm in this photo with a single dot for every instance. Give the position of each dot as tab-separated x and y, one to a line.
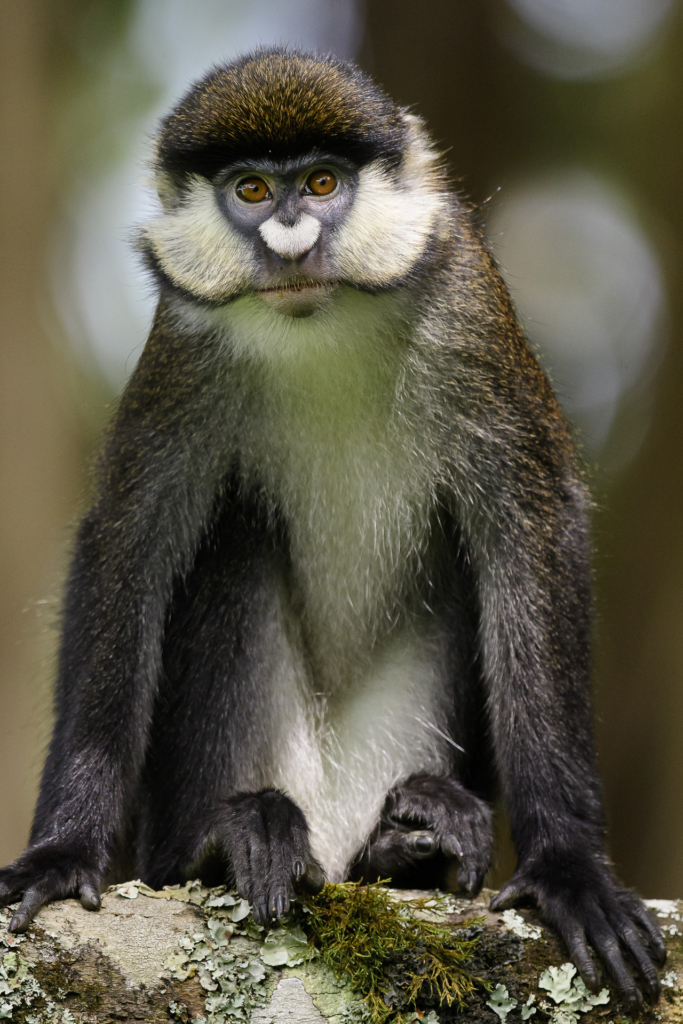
156	488
526	516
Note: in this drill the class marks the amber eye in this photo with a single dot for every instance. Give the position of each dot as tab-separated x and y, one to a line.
321	183
253	190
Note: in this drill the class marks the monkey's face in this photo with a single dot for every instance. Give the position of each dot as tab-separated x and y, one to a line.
290	177
288	212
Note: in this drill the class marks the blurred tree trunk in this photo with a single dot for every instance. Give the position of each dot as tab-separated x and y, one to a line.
41	436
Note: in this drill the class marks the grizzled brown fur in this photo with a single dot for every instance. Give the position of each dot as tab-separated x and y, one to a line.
277	103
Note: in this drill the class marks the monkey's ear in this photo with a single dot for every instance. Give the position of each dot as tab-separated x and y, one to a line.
170	195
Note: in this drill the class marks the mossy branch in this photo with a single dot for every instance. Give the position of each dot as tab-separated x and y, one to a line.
351	956
391	958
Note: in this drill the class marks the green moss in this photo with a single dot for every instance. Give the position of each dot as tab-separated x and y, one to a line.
391	959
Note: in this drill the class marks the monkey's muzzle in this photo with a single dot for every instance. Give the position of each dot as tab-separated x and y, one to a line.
298	300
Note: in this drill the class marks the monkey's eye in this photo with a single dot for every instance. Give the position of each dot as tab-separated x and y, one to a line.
321	183
253	190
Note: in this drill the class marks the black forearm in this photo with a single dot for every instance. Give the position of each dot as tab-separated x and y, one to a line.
535	635
112	629
523	512
155	494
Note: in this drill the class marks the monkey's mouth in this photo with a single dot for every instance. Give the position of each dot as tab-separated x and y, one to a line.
298	298
287	287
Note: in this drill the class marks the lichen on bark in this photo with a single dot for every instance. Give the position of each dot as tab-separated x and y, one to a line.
194	955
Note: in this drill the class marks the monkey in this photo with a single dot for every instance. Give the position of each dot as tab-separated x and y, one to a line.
333	591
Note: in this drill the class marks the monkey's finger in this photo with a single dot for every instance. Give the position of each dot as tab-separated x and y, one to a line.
89	896
10	892
312	878
420	844
261	883
274	890
34	898
472	860
575	941
241	870
639	954
642	918
272	900
516	889
451	846
607	945
471	877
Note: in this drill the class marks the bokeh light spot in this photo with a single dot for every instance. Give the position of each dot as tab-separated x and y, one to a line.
577	39
588	286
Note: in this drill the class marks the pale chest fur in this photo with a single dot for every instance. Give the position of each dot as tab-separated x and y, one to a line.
329	409
330	434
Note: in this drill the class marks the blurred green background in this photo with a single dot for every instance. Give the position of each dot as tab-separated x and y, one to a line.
562	121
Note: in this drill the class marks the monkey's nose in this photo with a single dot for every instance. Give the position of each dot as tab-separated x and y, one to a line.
293	241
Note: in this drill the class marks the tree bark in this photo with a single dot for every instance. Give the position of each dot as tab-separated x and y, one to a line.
152	957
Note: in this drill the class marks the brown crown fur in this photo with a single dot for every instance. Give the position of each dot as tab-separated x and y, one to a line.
277	104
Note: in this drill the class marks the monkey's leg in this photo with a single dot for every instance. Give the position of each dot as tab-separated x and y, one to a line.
427	823
206	810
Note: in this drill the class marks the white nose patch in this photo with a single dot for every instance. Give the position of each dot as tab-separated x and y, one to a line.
291	242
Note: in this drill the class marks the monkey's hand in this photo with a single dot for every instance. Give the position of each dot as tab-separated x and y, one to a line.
44	873
580	897
430	817
265	836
